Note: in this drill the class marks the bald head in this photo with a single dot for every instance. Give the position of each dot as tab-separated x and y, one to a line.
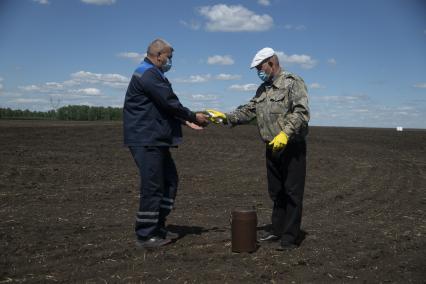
159	52
158	46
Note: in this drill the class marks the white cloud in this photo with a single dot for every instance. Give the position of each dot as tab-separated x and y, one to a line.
30	88
202	105
420	85
27	101
78	78
112	80
89	91
1	85
244	88
264	2
54	85
200	97
199	101
81	87
207	77
86	104
332	61
193	25
43	2
236	18
409	108
295	28
58	90
342	99
78	87
227	77
195	79
359	111
220	60
99	2
48	87
10	94
305	61
134	56
316	86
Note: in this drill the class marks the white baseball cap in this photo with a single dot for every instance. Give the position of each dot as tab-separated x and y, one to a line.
261	55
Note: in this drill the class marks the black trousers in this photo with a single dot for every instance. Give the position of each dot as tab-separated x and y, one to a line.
158	187
286	171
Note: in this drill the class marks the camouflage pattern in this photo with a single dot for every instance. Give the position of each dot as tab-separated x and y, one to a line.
278	106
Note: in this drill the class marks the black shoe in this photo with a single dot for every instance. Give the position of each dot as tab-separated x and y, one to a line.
269	238
152	242
287	246
166	234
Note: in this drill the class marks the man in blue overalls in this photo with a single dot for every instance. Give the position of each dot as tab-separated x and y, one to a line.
152	118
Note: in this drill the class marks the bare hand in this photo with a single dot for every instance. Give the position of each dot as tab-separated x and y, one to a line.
202	119
193	125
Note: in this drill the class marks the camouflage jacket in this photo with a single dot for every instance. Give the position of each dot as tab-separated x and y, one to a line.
278	106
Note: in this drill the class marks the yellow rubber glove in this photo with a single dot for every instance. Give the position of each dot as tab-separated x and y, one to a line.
279	141
216	116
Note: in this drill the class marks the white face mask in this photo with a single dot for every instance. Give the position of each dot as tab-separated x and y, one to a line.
263	76
166	66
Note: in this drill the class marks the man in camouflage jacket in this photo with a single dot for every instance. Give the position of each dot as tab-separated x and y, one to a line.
281	108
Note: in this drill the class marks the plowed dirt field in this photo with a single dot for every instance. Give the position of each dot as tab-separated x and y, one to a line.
69	195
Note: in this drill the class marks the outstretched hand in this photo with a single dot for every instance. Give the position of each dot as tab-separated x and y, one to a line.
202	119
193	125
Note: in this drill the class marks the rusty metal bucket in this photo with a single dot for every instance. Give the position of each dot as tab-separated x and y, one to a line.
243	226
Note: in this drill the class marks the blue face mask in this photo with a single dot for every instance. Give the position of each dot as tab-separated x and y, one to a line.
166	66
263	76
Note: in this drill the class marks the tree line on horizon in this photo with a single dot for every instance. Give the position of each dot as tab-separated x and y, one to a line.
70	112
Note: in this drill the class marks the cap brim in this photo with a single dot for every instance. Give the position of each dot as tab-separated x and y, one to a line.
253	65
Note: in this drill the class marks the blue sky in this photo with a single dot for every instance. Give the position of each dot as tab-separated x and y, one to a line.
364	61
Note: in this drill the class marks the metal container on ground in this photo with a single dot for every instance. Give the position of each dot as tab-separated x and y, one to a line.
244	234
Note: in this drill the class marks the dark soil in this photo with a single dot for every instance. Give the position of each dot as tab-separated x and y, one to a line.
69	195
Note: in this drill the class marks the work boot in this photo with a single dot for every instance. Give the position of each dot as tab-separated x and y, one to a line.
152	242
269	237
166	234
287	246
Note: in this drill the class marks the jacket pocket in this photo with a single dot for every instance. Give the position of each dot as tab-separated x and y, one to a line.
279	102
259	99
163	128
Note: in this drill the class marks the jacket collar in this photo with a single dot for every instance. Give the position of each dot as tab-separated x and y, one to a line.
146	60
279	81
